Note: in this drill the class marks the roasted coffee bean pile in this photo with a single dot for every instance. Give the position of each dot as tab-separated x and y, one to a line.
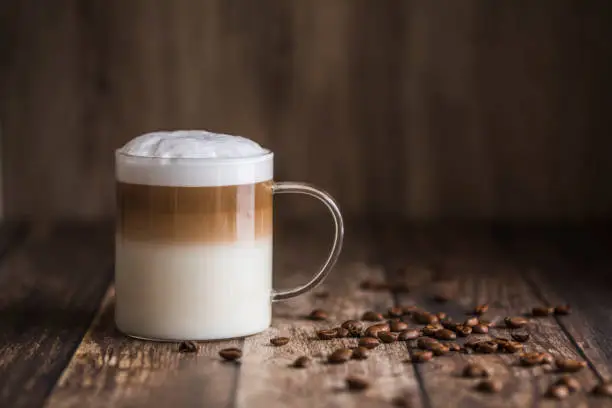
436	335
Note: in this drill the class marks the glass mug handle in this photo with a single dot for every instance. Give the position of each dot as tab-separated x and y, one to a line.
288	187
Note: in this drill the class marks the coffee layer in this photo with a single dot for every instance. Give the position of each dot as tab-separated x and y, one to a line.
194	214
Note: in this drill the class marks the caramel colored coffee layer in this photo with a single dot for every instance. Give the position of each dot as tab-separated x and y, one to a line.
194	214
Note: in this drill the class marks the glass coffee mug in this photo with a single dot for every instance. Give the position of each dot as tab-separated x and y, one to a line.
194	246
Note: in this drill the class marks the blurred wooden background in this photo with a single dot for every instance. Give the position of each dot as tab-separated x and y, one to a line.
417	109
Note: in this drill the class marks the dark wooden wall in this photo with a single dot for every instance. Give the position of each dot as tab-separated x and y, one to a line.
418	109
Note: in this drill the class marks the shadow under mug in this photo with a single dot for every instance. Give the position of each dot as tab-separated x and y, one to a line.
193	246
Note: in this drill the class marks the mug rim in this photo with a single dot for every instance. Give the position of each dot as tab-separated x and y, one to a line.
266	154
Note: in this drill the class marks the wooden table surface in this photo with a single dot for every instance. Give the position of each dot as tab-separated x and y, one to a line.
59	346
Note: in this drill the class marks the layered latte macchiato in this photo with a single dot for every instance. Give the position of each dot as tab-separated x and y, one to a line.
194	238
193	257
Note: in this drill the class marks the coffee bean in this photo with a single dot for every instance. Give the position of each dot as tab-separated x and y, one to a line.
445	334
340	356
512	347
371	316
373	330
410	334
341	332
531	359
542	311
453	346
279	341
421	356
520	336
480	329
486	323
439	349
471	321
388	337
571	383
354	327
547	358
563	310
441	316
462	330
408	310
360	353
515	322
481	309
486	347
230	354
475	370
395	312
603	389
448	323
369	342
357	383
188	347
423	317
558	391
431	329
327	334
570	366
490	386
398	326
471	343
318	314
301	362
425	343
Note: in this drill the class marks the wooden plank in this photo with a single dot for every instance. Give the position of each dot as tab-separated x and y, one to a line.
52	286
267	380
572	265
482	274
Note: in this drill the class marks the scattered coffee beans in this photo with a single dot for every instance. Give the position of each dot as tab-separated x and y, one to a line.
453	346
448	323
327	334
354	327
515	322
445	334
425	343
481	309
279	341
569	365
188	347
388	337
512	347
340	356
572	384
408	310
603	389
410	334
542	311
472	321
563	310
371	316
439	349
373	330
369	342
520	336
301	362
486	347
318	314
558	391
356	383
421	356
395	312
230	354
431	329
490	386
360	353
480	329
474	370
398	326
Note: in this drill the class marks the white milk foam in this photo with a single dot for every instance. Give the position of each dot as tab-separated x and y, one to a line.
193	158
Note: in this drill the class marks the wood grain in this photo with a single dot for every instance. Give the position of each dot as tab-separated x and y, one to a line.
482	274
406	108
53	285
